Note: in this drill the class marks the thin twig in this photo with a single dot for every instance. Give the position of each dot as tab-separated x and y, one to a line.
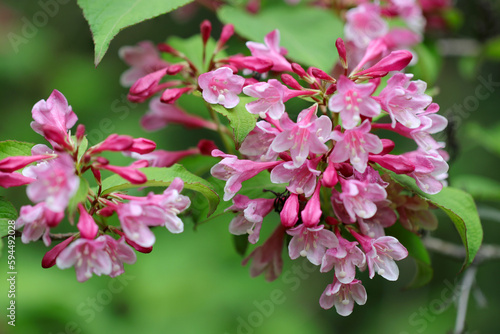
463	299
485	253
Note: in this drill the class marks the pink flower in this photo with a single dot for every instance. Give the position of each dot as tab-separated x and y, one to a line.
415	214
345	257
353	100
49	259
302	180
86	224
8	180
251	213
37	221
310	242
404	99
395	61
381	254
267	258
271	97
162	158
306	136
143	58
374	227
355	145
236	171
55	183
119	252
343	296
257	145
55	113
11	164
429	170
154	210
272	51
221	86
289	215
364	24
161	114
87	256
359	197
311	214
148	85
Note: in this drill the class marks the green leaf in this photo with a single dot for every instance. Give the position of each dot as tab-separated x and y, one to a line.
107	18
240	243
481	188
461	209
83	147
428	65
308	33
240	120
4	226
417	250
79	197
192	48
7	210
492	49
10	148
162	177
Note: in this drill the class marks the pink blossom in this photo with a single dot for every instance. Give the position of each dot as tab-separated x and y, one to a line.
267	258
55	183
364	24
119	253
310	242
161	114
148	85
154	210
49	259
429	170
345	257
11	164
8	180
395	61
143	58
129	173
353	100
404	99
221	86
236	171
411	12
302	180
415	214
271	98
381	254
355	145
87	256
257	145
374	227
55	112
311	214
359	198
260	65
37	221
272	51
306	136
251	213
343	296
162	158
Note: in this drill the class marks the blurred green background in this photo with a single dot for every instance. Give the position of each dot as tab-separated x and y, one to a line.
193	282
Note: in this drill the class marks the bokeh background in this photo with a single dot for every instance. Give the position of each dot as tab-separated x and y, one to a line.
193	282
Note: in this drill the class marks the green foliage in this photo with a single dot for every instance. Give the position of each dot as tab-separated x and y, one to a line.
7	212
107	19
492	49
309	34
461	209
489	138
11	148
192	48
417	250
481	188
429	63
162	177
240	120
240	243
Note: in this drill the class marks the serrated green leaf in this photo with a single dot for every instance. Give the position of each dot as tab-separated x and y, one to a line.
7	210
79	197
481	188
416	250
162	177
107	18
240	120
461	209
240	243
4	226
308	33
10	148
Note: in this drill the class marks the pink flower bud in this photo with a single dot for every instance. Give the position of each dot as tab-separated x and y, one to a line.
290	213
330	176
86	224
206	147
205	29
80	132
395	61
142	146
290	81
8	180
11	164
312	211
128	173
49	259
227	32
114	143
299	70
339	44
319	74
164	47
174	69
173	94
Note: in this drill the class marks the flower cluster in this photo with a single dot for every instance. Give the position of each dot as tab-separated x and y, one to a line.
55	182
333	163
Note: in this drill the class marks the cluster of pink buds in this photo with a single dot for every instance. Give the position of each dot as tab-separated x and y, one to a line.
55	182
338	197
